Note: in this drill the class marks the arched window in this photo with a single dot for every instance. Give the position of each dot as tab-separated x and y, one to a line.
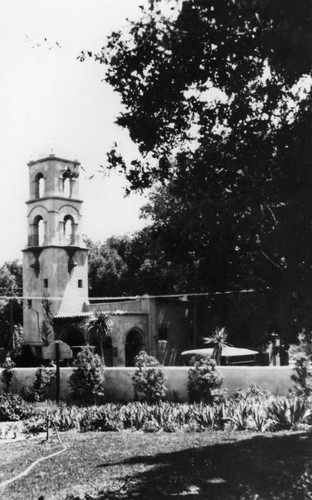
39	185
69	230
66	187
38	235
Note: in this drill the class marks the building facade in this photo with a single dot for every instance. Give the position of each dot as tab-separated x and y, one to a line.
55	280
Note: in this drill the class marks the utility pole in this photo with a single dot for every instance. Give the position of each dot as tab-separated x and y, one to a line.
12	339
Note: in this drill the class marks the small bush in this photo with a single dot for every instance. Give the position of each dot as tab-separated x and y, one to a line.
203	379
39	390
254	392
86	382
13	407
36	424
7	373
66	417
303	368
149	379
103	418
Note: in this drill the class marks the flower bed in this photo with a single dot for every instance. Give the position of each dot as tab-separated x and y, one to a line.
246	411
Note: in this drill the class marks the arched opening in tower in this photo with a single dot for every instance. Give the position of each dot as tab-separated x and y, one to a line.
38	236
66	186
39	185
69	230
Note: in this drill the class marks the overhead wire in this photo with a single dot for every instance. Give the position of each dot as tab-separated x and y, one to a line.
128	297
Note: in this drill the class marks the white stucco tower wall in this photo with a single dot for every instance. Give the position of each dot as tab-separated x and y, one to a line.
55	263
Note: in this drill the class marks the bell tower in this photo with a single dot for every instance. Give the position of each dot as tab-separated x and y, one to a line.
55	263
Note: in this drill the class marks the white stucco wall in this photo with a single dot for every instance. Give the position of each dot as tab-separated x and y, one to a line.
118	384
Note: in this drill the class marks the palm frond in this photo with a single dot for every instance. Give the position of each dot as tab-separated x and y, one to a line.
219	336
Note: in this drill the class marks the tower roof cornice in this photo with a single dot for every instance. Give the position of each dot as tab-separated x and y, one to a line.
52	158
63	198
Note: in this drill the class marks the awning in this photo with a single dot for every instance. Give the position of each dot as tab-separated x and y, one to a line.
227	352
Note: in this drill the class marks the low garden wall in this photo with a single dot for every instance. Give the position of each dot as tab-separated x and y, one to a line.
118	383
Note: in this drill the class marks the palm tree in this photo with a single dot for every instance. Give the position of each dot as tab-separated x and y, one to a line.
219	340
100	327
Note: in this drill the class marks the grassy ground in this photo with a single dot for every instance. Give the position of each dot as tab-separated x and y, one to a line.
209	465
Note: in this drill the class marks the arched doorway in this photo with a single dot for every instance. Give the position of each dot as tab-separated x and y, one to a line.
75	339
135	343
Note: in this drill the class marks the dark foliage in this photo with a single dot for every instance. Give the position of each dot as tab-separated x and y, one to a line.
203	379
302	375
86	381
7	373
41	387
11	309
13	407
216	95
148	379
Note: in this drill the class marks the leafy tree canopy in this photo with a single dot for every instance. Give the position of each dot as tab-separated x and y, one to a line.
226	72
11	282
126	266
217	95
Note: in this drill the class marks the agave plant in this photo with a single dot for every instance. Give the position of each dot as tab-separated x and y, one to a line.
205	416
261	419
239	415
219	341
289	413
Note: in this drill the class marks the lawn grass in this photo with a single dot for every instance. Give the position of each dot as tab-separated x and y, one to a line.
207	465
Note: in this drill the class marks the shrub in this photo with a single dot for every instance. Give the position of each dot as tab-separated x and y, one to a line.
13	407
101	418
66	417
303	369
39	390
18	341
254	392
303	376
7	373
149	379
86	382
203	379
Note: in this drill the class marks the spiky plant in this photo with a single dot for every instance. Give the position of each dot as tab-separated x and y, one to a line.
218	339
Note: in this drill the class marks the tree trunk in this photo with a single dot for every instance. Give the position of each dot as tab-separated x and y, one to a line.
217	354
102	352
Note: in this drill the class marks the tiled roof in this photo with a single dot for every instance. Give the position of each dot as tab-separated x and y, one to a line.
72	316
82	315
119	312
127	313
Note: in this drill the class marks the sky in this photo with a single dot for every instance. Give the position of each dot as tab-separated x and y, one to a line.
51	102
